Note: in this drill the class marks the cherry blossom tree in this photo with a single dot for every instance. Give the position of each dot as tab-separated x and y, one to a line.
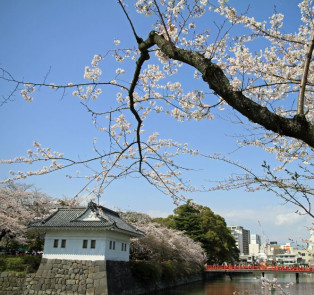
161	243
19	205
270	86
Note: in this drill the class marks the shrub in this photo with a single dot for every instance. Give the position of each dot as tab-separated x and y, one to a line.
15	264
31	262
3	264
169	270
24	263
147	272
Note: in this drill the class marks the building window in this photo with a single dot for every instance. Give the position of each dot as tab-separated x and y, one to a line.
63	243
123	247
85	243
55	243
93	244
112	245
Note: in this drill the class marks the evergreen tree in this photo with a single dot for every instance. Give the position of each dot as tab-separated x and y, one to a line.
202	225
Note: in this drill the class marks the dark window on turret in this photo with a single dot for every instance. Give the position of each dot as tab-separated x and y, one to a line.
55	243
123	247
63	243
93	244
112	245
85	243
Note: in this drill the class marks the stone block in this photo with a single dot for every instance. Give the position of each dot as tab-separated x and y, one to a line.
99	275
90	291
100	283
70	282
6	274
89	281
82	288
101	291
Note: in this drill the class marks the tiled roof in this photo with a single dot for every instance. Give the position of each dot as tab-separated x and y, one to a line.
70	218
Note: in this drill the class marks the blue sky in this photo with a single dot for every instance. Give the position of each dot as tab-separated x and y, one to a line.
61	37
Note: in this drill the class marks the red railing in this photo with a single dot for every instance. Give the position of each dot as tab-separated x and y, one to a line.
260	267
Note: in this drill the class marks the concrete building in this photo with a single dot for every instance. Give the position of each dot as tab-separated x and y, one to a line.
256	239
242	237
254	246
288	259
306	256
92	233
254	249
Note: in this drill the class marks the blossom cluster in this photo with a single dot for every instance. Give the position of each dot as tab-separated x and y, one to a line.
161	243
38	154
27	92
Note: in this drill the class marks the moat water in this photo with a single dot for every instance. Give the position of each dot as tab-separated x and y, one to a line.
247	285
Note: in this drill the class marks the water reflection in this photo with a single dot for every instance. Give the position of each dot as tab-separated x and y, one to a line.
246	285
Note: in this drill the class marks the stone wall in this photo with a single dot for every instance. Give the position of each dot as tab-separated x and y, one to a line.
69	277
12	283
72	277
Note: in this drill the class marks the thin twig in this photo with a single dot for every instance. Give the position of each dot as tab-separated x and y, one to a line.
138	39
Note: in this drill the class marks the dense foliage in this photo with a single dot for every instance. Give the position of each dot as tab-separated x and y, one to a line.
204	226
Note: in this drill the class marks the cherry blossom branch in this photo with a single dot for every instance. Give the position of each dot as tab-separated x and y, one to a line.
296	127
289	189
138	39
163	22
143	57
300	110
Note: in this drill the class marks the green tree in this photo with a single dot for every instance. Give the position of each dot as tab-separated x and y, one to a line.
202	225
35	240
188	219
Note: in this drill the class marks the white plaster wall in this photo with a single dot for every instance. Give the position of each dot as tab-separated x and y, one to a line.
117	254
74	245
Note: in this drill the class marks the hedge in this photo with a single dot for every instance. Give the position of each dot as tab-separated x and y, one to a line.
25	263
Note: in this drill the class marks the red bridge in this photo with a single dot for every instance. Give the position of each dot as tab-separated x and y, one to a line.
260	268
232	269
